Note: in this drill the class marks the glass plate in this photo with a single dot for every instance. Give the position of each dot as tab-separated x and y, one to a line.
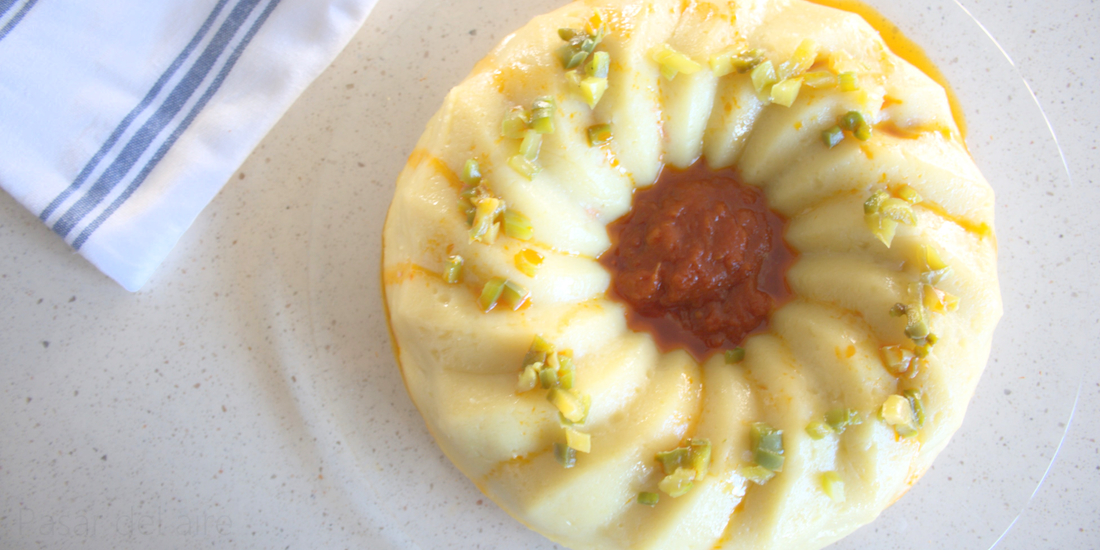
403	488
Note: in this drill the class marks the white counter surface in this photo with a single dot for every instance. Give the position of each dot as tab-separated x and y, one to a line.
247	396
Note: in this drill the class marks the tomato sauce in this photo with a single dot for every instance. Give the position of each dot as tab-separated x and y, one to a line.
700	260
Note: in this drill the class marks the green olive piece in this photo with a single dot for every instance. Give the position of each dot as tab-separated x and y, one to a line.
832	136
471	173
490	294
818	429
832	486
599	134
452	273
735	355
517	226
565	455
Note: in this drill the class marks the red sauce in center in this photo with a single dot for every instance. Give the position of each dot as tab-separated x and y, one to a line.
700	260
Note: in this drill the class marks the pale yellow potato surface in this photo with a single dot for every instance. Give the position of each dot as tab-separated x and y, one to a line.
822	349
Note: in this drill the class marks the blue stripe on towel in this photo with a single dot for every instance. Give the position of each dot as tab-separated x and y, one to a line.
15	19
5	5
161	118
126	122
195	110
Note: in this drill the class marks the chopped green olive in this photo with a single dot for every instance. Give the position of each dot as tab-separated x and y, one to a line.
756	473
818	429
832	136
566	372
916	326
514	296
899	211
674	459
862	132
908	194
801	60
679	483
567	34
763	77
699	457
649	499
452	273
569	404
848	121
898	360
673	62
914	397
523	166
599	65
527	261
849	81
548	377
832	486
785	92
484	218
490	293
735	355
748	61
580	441
819	79
542	115
599	134
565	455
517	226
571	55
721	64
528	378
471	173
592	90
898	412
874	202
767	446
840	419
515	123
529	147
538	351
881	227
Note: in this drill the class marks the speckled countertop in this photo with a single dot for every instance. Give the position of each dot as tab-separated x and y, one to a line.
247	396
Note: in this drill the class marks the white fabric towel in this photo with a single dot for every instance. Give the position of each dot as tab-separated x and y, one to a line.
121	119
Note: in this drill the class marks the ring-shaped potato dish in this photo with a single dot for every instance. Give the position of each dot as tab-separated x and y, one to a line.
524	366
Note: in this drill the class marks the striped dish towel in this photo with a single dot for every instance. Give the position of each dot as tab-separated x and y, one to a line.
121	119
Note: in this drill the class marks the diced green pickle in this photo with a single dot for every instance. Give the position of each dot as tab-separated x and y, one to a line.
849	81
565	455
490	293
679	483
785	92
832	486
523	166
649	499
471	173
818	429
452	273
580	441
763	77
599	65
735	355
599	134
819	79
592	90
832	136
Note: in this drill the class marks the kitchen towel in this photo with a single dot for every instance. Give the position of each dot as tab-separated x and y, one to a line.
121	119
